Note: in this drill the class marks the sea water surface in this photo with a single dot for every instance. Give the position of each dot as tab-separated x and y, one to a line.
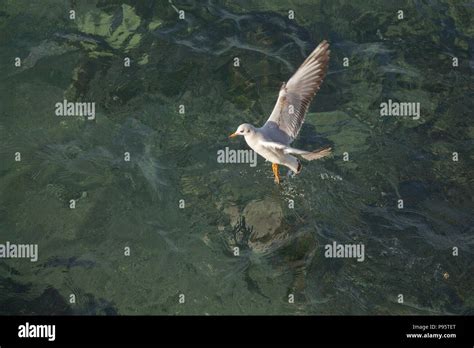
166	223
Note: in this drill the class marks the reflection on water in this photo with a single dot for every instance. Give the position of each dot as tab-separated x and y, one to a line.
181	213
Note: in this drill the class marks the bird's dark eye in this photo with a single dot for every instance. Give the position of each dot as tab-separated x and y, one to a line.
248	130
242	131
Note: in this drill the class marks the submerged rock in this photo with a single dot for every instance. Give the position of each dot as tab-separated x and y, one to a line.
265	216
258	227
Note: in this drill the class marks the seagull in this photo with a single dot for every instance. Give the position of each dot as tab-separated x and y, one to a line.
272	140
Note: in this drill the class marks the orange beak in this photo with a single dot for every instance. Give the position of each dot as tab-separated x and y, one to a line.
233	135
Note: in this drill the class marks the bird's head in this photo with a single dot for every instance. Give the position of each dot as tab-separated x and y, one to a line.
244	129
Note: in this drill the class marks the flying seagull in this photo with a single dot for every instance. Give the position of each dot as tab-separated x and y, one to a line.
282	127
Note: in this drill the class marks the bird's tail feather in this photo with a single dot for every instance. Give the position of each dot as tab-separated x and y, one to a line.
317	154
308	155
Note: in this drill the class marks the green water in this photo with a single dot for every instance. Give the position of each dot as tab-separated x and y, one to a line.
173	156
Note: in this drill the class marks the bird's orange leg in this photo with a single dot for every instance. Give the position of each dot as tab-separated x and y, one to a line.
275	172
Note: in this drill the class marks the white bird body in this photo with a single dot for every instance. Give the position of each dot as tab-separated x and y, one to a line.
272	140
263	146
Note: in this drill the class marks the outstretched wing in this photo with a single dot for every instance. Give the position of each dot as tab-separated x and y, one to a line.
296	95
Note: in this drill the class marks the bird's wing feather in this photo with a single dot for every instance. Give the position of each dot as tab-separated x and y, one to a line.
287	150
273	145
296	95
